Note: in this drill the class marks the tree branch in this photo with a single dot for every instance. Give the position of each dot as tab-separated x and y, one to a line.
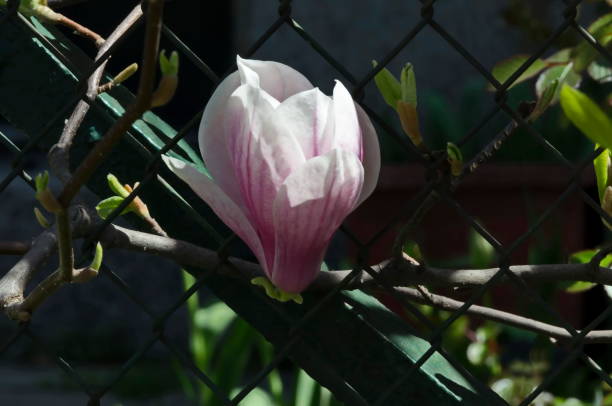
133	112
13	283
399	274
549	330
59	154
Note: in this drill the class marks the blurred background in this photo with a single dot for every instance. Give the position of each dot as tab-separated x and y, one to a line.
98	328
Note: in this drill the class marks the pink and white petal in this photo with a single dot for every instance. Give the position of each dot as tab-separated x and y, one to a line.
212	135
247	75
277	79
305	115
221	204
371	154
212	139
347	134
309	207
263	153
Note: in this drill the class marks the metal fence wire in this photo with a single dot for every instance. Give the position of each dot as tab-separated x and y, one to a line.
299	332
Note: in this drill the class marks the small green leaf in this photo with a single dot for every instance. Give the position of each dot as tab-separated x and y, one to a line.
97	260
584	53
41	181
481	252
274	292
601	165
503	70
587	116
561	56
455	158
600	72
545	99
169	66
42	220
116	186
107	206
548	87
388	86
579	287
583	257
408	85
562	74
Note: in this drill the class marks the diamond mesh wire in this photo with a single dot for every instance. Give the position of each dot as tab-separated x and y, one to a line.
435	191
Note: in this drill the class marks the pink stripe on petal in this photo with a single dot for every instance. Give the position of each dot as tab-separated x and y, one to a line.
220	203
263	153
309	207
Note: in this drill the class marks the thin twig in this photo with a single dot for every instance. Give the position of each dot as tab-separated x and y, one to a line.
79	29
64	240
549	330
13	283
59	154
23	310
141	103
14	247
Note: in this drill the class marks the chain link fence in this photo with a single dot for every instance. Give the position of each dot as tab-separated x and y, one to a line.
346	340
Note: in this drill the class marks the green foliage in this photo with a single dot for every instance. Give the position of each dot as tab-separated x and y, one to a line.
584	53
108	205
97	260
560	74
601	164
583	257
481	254
503	70
274	292
388	86
408	85
223	346
116	186
599	72
169	66
484	351
455	158
587	116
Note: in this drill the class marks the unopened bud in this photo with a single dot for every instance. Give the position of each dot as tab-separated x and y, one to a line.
125	73
44	194
409	119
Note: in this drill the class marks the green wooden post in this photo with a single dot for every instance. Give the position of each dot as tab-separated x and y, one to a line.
354	346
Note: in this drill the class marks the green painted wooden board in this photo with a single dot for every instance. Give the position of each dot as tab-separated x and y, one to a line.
354	346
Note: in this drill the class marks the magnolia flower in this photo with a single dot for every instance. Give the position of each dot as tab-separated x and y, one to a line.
288	164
